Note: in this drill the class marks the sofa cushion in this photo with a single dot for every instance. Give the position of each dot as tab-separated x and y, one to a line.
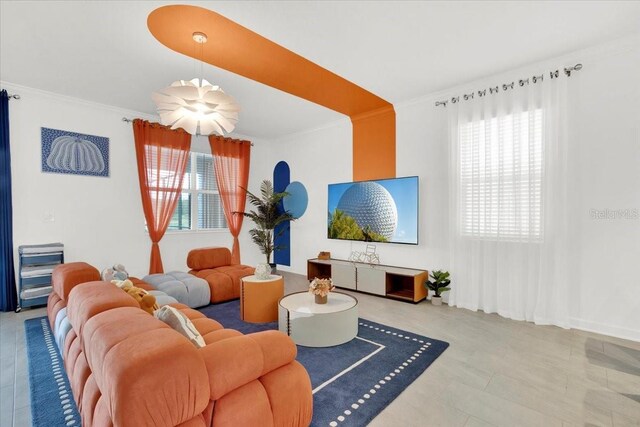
187	289
180	323
147	373
199	259
66	276
93	298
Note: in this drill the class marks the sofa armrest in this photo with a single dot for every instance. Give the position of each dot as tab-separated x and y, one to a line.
236	361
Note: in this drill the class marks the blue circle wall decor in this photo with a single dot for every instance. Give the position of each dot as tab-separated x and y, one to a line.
297	200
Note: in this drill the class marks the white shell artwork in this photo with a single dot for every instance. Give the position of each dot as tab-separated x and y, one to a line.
263	271
197	106
74	153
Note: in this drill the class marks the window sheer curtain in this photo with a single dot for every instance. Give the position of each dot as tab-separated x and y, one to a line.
232	159
162	155
508	196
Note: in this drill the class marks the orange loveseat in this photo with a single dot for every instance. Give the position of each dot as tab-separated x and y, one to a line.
214	265
126	368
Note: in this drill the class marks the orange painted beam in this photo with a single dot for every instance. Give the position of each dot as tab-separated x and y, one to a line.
374	144
237	49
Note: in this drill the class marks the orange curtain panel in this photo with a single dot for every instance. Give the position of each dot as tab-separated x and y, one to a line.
162	156
231	158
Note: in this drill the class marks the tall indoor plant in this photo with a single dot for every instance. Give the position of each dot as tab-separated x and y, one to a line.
439	284
266	216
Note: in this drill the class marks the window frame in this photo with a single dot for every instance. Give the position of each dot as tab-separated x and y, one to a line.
193	193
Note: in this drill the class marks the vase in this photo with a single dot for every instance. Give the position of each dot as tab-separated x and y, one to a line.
263	271
321	299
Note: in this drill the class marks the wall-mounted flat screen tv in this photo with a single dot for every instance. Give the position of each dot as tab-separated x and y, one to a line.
384	210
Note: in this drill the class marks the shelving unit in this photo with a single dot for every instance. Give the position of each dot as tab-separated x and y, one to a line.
34	275
404	284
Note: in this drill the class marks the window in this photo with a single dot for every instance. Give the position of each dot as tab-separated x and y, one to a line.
501	170
200	206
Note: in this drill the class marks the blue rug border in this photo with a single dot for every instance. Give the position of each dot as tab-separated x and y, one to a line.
50	370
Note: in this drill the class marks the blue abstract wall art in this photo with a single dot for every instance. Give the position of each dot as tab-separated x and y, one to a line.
295	203
74	153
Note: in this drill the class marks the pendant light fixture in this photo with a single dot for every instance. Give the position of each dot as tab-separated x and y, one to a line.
196	105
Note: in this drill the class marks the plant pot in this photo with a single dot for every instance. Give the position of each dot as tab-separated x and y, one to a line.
436	300
321	299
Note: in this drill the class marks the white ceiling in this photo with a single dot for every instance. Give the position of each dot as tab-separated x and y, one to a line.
102	51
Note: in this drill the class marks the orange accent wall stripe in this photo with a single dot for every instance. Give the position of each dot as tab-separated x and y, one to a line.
248	54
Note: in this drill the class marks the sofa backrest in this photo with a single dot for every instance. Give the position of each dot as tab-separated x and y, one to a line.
147	373
93	298
203	258
66	276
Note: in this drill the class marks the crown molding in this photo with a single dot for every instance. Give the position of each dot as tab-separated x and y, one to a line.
25	91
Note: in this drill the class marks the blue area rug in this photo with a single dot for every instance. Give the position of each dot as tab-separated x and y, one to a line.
352	382
52	403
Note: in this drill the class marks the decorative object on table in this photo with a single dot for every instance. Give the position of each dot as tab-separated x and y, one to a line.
439	284
117	272
324	255
321	289
196	105
74	153
266	217
263	271
369	256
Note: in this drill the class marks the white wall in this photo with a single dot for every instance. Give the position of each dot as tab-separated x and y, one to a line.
605	173
607	176
99	220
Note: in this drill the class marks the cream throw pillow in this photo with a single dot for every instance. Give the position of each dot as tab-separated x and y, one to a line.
181	323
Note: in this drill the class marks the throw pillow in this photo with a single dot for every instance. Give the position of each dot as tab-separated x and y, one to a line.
180	323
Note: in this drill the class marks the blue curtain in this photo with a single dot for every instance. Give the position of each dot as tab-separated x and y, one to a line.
8	295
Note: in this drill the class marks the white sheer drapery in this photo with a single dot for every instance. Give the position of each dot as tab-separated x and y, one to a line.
508	194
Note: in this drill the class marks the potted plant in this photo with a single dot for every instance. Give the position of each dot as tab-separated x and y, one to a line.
266	216
321	288
439	284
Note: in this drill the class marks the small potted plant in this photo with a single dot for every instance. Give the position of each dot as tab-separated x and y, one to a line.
321	288
439	284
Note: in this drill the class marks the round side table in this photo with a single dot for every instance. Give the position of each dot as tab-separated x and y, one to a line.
318	325
259	298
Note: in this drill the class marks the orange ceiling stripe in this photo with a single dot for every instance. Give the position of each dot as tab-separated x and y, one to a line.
244	52
374	145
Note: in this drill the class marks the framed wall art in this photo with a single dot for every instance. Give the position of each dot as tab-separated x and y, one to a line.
74	153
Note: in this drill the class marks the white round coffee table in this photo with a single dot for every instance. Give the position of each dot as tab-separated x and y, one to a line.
318	325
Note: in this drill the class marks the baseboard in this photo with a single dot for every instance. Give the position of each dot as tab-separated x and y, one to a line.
600	328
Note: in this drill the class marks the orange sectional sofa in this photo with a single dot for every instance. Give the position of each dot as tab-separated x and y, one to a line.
126	368
214	265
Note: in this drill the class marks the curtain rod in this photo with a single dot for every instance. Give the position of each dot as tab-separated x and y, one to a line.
506	86
127	120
